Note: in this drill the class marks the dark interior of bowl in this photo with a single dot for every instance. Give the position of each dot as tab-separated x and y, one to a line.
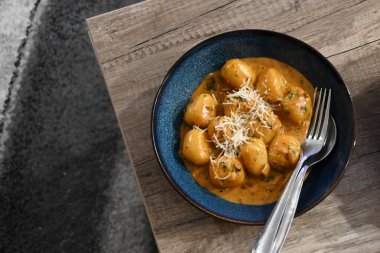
209	56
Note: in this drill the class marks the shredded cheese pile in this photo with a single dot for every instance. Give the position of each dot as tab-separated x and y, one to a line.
237	129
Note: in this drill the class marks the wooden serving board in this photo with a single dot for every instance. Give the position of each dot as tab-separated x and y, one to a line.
137	45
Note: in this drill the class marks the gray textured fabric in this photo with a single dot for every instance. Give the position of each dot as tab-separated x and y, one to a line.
65	181
14	20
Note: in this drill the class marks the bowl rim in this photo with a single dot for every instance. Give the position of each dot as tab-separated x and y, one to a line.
221	35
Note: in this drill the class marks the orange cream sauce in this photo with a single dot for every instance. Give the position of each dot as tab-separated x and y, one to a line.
256	190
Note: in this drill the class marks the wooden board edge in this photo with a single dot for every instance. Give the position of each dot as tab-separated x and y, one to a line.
90	20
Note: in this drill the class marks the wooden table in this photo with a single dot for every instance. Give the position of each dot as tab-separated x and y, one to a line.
136	46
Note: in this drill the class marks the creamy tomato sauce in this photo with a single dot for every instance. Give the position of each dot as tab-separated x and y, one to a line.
256	190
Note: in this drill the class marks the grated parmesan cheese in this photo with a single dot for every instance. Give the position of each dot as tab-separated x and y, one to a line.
250	109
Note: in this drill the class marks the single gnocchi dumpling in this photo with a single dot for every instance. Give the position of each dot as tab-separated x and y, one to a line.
284	152
195	147
200	110
271	85
255	157
208	85
297	105
236	73
266	129
220	134
226	172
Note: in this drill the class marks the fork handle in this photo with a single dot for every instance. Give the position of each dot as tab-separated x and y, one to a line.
266	239
289	212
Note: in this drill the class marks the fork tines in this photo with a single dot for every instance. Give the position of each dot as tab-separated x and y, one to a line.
321	112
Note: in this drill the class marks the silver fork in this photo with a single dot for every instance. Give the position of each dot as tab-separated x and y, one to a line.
291	207
312	145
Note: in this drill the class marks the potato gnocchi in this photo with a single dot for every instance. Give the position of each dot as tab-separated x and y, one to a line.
243	127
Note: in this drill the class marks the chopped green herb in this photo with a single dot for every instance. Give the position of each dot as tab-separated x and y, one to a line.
237	169
291	94
285	109
269	190
304	109
270	178
211	84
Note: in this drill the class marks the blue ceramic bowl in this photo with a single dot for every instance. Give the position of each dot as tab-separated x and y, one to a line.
209	56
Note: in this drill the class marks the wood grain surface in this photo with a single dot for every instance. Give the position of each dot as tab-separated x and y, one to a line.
137	45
